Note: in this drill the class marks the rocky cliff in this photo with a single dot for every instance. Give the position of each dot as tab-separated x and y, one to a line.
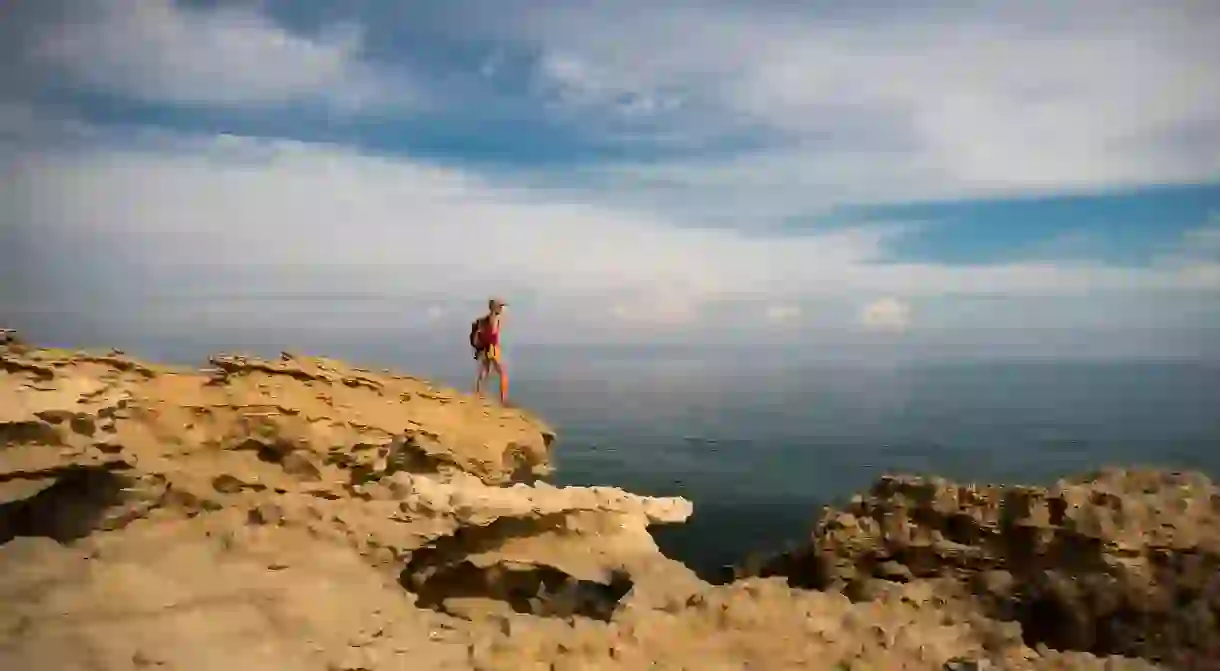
1119	562
304	514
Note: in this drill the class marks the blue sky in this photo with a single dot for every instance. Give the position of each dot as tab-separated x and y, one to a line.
910	175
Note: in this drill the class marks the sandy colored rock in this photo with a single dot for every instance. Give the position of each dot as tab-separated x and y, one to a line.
1117	562
132	464
175	596
303	414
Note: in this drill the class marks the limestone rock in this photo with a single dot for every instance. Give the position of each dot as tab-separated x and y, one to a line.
172	596
1118	562
267	469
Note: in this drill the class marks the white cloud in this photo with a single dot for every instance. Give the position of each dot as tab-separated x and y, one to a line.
657	311
901	105
837	105
582	85
1197	255
232	56
886	315
435	313
782	314
1204	242
185	232
229	231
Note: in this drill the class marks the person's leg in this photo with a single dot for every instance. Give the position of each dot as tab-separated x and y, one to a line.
503	375
481	375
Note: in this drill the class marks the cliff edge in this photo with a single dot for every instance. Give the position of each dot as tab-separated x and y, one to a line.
305	514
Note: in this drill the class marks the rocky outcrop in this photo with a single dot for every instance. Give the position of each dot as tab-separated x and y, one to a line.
104	451
1119	562
304	514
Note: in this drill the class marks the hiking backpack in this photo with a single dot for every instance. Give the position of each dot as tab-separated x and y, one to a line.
476	334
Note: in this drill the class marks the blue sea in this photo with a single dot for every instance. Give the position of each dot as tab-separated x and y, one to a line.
759	449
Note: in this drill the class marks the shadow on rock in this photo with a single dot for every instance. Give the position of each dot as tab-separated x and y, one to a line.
77	501
535	590
447	570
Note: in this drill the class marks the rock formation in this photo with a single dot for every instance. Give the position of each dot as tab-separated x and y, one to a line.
1119	562
304	514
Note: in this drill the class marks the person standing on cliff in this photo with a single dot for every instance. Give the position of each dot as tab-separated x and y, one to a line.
485	339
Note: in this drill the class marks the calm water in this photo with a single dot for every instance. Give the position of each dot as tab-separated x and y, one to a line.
758	451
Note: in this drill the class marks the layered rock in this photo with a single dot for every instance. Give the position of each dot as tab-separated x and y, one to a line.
304	514
102	450
1119	562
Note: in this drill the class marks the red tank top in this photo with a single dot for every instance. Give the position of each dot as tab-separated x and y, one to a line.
491	336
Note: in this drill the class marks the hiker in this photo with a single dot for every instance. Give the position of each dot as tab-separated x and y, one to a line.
485	339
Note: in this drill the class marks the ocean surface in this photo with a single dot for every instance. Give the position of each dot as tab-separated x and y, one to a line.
759	449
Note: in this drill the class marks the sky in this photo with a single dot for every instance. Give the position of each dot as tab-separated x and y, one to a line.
1039	177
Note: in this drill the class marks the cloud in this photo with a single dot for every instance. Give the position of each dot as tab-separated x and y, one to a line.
700	145
434	313
716	113
888	315
582	85
177	233
839	107
228	56
783	314
1197	255
660	312
1203	242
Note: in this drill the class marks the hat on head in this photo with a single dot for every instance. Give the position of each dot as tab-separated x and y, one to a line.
496	302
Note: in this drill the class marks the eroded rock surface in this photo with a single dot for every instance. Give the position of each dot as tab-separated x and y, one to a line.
1120	562
304	514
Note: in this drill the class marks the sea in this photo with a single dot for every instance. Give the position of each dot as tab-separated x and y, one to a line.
760	449
760	440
